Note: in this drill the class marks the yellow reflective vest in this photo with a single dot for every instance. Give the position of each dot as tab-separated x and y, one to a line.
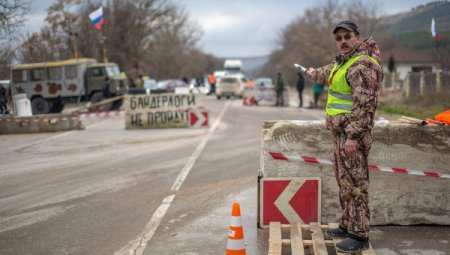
340	94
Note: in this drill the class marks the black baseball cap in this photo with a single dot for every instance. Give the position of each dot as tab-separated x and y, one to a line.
348	25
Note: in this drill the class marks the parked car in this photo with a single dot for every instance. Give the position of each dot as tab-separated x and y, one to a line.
265	92
230	85
199	86
150	86
168	86
264	81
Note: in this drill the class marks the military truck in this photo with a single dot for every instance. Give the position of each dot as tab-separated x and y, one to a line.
49	85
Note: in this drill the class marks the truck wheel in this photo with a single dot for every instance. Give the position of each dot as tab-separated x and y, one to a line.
96	98
40	106
57	106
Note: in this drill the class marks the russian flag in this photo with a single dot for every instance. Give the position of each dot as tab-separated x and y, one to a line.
96	18
436	36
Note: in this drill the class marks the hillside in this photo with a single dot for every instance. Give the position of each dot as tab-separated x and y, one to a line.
419	19
412	29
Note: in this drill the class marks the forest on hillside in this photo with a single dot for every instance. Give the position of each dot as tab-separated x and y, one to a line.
308	39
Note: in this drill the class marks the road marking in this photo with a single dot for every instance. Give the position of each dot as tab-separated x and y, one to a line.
187	168
137	246
54	137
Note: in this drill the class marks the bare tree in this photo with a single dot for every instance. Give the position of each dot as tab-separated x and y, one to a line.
173	46
308	39
149	37
63	23
12	14
43	46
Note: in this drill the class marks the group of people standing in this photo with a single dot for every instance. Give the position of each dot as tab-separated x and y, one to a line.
279	87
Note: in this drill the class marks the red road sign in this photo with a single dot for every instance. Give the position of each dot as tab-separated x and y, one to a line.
289	200
198	118
248	100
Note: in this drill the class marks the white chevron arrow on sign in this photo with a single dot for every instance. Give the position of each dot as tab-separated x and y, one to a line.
282	202
198	118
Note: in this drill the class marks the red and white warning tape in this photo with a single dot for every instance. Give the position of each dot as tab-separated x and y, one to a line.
110	114
313	160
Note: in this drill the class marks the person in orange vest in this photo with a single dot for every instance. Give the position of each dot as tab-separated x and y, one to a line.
212	82
250	83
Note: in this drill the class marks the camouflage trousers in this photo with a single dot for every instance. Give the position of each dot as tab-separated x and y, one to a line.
352	175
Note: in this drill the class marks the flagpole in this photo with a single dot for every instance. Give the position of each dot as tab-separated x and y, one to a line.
103	47
96	18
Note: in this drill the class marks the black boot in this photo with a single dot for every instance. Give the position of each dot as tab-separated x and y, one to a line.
352	244
337	232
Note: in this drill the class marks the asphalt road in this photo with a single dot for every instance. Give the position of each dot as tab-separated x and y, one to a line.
107	190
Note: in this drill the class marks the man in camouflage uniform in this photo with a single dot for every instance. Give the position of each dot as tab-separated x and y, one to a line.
354	79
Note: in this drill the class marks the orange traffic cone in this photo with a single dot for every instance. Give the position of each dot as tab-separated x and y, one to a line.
236	243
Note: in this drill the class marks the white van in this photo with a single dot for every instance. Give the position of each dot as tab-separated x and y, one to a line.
230	85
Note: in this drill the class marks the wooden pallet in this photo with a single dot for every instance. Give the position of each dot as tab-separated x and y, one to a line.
306	239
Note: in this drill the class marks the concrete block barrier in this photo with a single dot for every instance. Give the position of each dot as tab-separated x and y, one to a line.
398	196
39	123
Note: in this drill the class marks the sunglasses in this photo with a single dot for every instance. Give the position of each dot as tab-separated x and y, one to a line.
346	37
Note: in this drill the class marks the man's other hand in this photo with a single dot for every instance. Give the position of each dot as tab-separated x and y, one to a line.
310	71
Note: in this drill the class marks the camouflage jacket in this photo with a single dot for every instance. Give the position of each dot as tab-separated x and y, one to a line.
279	86
364	78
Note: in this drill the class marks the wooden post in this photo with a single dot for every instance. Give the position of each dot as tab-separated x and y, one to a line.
393	84
438	81
407	87
422	83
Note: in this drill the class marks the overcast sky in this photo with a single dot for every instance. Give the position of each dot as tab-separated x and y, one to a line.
236	28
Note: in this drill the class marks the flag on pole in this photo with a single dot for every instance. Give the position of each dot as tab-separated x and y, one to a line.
435	34
96	18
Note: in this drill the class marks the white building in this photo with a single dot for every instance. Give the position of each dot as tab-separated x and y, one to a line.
407	60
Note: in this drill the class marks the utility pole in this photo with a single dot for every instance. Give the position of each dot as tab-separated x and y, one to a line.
73	39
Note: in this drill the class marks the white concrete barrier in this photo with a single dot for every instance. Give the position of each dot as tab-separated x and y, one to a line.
39	123
395	198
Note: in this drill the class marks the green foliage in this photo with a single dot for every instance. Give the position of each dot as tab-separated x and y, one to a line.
413	30
422	41
419	107
420	19
411	111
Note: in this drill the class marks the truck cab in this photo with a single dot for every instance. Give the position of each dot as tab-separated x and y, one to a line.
233	66
95	79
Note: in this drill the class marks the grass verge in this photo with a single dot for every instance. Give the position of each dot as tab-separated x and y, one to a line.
412	110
